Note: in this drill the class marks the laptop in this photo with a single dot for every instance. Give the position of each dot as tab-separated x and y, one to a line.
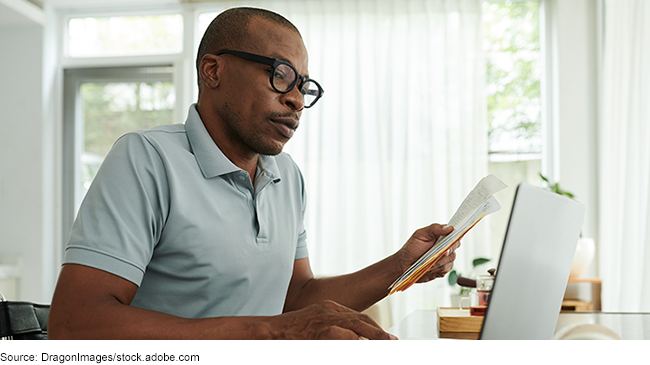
534	266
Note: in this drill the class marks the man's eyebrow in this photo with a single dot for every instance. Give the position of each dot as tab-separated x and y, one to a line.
282	58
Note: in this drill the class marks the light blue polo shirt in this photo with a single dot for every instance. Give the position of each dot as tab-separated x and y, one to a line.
169	212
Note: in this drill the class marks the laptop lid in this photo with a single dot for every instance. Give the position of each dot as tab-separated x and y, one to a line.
534	266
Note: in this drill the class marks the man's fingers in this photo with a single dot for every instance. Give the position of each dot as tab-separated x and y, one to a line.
440	268
340	322
452	249
369	329
340	333
364	326
441	230
432	232
354	329
336	333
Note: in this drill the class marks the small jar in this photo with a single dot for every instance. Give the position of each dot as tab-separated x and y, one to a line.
483	287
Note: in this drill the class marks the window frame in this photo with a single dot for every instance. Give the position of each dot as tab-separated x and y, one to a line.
549	118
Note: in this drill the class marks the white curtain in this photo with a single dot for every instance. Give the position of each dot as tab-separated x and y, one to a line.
624	147
400	136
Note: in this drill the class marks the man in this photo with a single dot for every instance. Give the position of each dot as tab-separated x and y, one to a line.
196	230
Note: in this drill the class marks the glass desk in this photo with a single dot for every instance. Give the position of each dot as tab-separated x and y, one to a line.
423	324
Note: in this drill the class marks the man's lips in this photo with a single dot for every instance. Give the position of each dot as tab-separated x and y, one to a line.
285	125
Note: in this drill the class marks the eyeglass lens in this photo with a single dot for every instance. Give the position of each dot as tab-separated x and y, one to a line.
284	78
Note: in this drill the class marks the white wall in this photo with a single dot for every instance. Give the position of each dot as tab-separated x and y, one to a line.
576	61
21	156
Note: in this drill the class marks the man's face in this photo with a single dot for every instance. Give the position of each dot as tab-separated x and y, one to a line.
258	118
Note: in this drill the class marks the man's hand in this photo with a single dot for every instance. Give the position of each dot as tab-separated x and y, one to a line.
419	243
326	320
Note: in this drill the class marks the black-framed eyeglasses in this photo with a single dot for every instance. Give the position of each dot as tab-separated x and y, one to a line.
284	77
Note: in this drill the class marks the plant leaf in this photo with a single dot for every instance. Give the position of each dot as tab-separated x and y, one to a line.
556	188
479	261
453	276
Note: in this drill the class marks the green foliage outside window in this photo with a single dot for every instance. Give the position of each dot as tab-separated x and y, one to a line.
113	109
512	46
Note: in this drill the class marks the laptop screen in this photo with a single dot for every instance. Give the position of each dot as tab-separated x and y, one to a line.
534	266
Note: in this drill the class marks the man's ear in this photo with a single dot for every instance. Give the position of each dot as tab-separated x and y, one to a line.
209	69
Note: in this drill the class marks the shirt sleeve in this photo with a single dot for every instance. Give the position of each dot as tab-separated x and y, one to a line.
122	215
301	248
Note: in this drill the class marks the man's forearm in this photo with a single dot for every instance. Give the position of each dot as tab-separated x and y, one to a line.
93	304
119	321
358	290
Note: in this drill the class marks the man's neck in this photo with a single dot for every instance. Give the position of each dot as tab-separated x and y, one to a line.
239	154
247	164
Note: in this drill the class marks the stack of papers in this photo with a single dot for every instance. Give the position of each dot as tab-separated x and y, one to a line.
478	204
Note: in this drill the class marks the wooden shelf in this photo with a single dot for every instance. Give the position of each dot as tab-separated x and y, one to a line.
577	306
585	280
582	306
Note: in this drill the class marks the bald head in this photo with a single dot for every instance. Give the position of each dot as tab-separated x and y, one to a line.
230	30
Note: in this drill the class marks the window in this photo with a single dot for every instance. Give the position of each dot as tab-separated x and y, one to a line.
513	99
102	104
513	93
124	35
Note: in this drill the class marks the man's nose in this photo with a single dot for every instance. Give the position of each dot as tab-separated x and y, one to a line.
294	99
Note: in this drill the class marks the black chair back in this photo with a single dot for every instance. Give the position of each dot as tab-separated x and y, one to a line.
23	320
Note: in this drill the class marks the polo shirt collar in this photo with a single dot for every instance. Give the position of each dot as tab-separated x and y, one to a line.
269	166
209	157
